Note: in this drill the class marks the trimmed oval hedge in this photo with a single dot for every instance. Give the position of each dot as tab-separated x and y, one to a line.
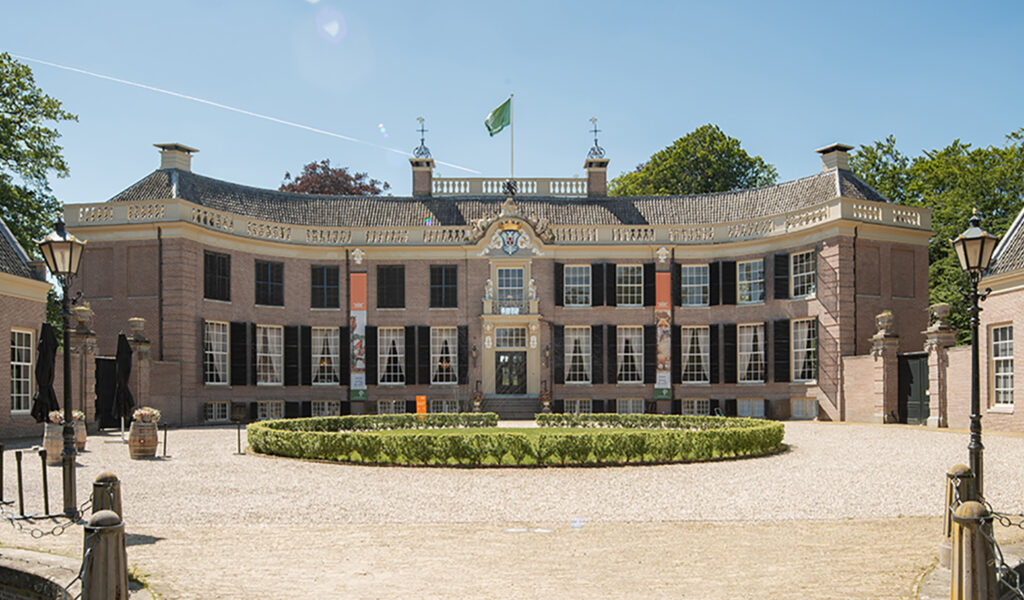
471	439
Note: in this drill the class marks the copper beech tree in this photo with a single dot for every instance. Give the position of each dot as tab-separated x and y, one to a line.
322	178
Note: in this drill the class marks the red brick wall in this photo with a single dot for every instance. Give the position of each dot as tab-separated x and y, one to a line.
19	313
858	388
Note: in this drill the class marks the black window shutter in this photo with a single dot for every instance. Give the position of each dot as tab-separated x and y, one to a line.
597	406
239	333
610	297
344	356
766	343
596	354
252	353
558	406
306	355
729	361
423	353
730	407
597	284
650	352
463	335
714	269
370	344
559	284
612	353
728	282
649	279
410	406
781	276
306	409
291	355
277	276
410	355
209	275
677	284
713	354
714	407
780	349
558	350
677	354
254	408
610	405
292	410
767	408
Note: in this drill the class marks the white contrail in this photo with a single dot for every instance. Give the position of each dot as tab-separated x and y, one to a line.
231	108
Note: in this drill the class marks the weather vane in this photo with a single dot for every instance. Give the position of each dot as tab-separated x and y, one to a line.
421	151
597	151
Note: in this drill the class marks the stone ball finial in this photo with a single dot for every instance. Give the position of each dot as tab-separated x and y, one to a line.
884	320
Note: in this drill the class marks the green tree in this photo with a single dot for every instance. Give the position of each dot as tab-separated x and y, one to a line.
28	153
952	182
703	161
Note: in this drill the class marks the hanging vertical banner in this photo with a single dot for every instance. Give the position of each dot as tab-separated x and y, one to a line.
663	321
357	327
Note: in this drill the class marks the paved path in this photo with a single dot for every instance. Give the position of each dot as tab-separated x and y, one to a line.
850	511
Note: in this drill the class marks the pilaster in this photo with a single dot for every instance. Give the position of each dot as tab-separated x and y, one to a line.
937	340
885	348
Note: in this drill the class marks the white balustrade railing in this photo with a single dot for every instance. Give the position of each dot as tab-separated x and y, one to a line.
487	186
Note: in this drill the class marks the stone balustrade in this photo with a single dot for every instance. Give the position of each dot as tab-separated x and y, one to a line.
489	186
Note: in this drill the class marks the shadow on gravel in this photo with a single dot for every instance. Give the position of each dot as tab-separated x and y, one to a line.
140	539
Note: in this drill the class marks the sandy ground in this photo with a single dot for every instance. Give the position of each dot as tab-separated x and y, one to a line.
851	511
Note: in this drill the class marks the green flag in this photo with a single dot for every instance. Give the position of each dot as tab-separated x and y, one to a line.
499	118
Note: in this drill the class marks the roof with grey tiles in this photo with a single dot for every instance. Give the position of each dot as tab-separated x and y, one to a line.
389	211
1009	254
13	259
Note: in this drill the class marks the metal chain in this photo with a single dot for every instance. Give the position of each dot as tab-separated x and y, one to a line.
1005	574
90	542
26	523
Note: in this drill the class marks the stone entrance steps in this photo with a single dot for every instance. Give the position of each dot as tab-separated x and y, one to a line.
512	407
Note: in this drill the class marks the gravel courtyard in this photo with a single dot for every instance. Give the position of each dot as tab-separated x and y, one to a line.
849	511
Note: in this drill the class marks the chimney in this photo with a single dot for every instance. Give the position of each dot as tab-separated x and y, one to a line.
176	156
597	177
422	176
834	156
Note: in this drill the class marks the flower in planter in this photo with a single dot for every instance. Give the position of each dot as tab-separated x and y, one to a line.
77	415
55	416
146	414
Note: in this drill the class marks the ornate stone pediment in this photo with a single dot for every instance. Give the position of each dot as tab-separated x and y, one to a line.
510	211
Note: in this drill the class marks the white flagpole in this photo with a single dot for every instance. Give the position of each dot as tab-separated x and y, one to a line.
512	140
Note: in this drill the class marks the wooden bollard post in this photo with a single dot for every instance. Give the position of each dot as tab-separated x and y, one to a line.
46	486
106	494
959	489
21	492
105	568
973	565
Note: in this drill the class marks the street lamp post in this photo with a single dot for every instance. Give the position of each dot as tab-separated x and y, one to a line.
974	249
63	254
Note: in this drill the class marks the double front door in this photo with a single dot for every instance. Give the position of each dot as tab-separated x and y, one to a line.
510	372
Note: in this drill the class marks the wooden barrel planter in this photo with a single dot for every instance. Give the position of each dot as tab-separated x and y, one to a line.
142	439
80	436
53	442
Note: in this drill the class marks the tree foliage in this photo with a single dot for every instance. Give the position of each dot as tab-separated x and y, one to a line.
952	182
703	161
322	178
28	153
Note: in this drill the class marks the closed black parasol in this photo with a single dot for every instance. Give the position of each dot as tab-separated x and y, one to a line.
123	400
45	399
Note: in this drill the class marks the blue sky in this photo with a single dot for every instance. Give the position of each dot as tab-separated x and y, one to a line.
784	78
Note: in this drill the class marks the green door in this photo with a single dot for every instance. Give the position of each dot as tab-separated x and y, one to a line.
510	373
913	388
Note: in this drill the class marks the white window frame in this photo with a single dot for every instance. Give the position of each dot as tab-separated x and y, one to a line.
694	282
629	285
696	366
577	335
444	406
444	367
803	408
390	337
750	351
576	286
269	355
325	408
391	407
325	365
750	282
217	411
803	350
22	372
629	406
578	406
215	352
803	274
269	409
510	338
1001	357
634	334
511	290
696	406
751	408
